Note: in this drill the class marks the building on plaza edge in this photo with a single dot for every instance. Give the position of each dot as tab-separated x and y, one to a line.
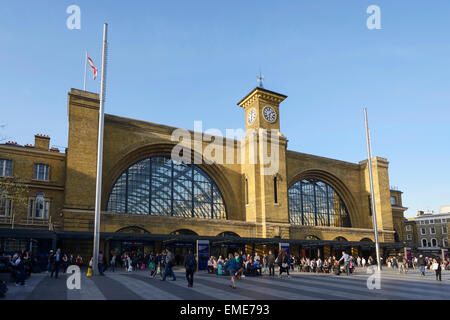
429	230
318	205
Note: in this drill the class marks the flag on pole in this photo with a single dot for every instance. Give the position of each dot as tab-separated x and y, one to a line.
93	68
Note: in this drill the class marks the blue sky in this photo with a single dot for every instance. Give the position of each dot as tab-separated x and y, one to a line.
174	62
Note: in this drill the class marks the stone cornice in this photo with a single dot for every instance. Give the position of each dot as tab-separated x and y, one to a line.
260	93
32	151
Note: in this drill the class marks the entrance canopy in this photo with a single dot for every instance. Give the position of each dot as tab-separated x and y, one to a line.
167	239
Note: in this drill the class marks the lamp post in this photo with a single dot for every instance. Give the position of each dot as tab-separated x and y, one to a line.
369	161
98	189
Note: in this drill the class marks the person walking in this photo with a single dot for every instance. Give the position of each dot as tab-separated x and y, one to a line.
232	266
421	263
437	268
401	264
346	258
283	263
100	263
271	263
191	265
168	266
19	271
50	262
113	262
152	264
56	263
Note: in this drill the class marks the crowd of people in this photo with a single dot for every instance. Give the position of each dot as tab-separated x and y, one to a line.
237	265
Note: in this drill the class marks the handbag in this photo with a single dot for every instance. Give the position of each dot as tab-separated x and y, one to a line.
284	265
435	266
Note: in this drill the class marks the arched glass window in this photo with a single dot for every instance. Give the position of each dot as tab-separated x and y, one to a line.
314	203
158	186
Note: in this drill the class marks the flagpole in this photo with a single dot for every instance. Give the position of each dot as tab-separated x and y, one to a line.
98	189
85	70
369	161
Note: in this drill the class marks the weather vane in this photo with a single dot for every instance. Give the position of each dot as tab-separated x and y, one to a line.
260	80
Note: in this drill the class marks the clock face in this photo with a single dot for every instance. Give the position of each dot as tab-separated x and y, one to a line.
251	116
269	114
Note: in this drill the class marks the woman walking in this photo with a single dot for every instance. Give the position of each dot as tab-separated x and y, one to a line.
152	265
232	266
437	268
283	263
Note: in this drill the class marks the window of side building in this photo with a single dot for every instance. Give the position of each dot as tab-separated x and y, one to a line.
433	242
432	230
424	243
393	201
408	228
39	207
444	230
41	171
423	231
408	237
5	168
5	207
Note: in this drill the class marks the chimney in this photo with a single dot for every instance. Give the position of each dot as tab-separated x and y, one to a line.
420	213
41	142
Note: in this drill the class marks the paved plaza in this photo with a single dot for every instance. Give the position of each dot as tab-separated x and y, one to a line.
301	286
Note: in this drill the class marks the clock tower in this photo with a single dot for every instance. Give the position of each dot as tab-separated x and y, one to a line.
261	108
266	200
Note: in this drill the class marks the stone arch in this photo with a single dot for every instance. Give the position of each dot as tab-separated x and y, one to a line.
337	185
228	234
185	232
365	240
312	237
132	229
340	239
137	153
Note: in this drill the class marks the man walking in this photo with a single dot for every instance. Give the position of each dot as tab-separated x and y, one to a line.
422	263
100	263
346	259
271	263
168	266
191	265
56	263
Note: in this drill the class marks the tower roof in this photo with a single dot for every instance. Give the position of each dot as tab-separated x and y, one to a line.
270	94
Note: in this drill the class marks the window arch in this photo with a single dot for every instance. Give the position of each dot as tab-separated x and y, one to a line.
434	242
228	234
184	232
313	202
158	186
424	243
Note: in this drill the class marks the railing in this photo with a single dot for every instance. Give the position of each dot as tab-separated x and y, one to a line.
32	222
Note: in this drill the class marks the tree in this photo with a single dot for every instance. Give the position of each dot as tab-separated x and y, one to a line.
17	191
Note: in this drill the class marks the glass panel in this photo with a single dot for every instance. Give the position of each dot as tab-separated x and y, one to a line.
31	209
8	168
158	186
117	195
161	186
39	212
139	187
47	209
2	206
314	203
5	167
